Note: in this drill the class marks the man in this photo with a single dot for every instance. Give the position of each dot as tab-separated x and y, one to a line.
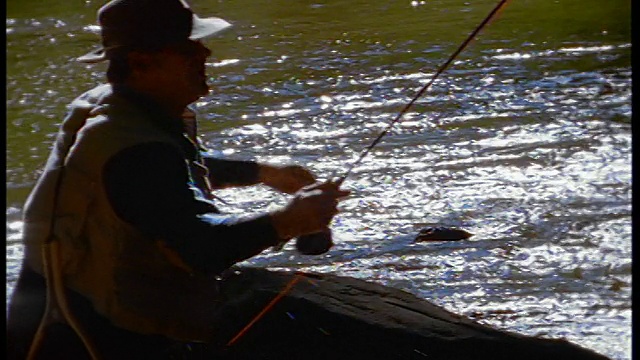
127	195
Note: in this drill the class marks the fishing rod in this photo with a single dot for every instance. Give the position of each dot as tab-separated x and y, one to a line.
326	235
424	88
319	243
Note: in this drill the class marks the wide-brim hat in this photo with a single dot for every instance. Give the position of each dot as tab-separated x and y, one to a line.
149	24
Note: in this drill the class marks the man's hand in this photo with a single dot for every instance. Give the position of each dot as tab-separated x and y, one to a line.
310	211
288	178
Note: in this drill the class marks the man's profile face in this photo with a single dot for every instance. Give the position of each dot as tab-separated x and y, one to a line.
178	71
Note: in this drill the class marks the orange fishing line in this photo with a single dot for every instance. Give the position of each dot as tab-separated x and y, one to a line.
282	293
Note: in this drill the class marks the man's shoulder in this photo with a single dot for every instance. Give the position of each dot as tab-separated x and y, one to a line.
93	97
112	123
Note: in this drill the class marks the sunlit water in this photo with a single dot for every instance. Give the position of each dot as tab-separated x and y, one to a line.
525	142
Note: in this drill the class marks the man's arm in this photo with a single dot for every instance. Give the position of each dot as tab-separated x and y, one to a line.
148	187
229	173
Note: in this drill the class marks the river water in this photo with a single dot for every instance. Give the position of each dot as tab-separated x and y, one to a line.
525	142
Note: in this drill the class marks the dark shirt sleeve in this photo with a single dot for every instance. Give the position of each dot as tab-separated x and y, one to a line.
225	173
148	186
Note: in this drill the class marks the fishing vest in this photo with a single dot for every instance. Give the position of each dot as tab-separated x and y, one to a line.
130	278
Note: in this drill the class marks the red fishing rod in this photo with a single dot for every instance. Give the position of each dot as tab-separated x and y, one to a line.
314	241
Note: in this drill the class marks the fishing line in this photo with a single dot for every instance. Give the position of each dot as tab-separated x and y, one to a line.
366	151
281	294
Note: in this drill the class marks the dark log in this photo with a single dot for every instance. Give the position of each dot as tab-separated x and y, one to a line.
322	317
332	317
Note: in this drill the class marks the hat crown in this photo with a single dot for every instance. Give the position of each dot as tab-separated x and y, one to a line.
144	23
149	25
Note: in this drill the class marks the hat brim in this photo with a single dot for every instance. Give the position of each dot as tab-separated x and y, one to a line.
200	29
203	28
94	56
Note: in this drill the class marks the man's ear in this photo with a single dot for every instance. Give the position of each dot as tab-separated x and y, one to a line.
139	61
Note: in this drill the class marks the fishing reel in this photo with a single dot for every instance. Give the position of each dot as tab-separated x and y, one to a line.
315	244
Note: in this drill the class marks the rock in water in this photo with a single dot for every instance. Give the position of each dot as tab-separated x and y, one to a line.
326	316
321	317
442	233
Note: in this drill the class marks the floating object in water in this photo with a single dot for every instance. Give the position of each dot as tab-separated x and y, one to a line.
442	233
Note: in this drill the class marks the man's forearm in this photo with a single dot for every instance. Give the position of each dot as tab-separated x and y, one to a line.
228	173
